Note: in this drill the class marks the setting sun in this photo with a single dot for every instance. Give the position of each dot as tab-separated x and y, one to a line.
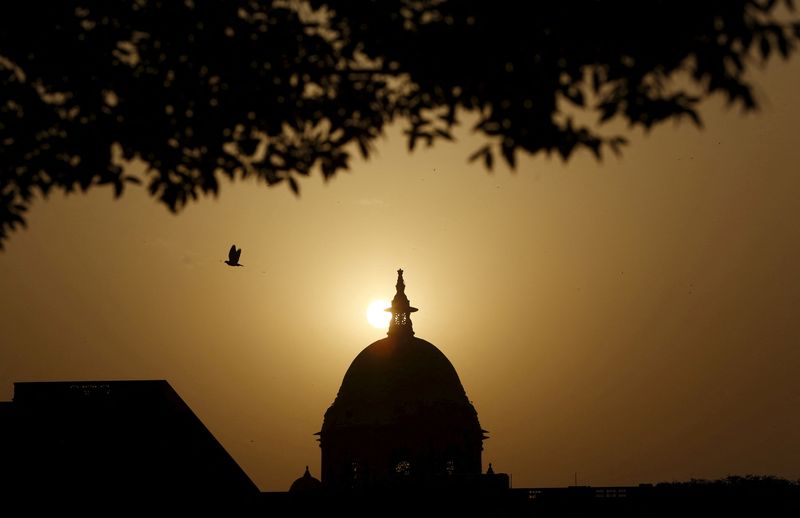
376	315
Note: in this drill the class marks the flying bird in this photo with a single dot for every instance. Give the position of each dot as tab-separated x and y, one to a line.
233	256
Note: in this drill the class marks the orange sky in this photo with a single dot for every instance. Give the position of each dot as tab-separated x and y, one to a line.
633	320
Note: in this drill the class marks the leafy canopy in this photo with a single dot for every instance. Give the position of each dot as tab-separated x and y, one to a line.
200	90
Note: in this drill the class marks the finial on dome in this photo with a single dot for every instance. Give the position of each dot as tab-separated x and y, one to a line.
401	310
306	485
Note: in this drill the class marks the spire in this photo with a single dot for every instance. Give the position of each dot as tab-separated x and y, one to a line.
401	310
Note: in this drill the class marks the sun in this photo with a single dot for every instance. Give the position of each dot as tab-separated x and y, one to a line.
376	315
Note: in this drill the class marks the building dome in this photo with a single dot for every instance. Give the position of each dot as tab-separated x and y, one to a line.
306	484
401	414
391	378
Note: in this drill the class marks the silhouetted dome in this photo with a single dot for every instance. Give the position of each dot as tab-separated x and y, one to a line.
306	484
401	416
392	377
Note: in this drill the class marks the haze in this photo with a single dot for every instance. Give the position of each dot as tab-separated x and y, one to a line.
632	320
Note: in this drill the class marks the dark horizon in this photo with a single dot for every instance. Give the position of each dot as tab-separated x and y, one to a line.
99	445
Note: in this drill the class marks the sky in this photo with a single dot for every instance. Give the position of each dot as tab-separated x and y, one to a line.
626	321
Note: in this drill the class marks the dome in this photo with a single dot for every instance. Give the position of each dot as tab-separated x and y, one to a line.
306	484
401	415
392	377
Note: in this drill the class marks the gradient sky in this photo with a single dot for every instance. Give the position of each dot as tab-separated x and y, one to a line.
634	320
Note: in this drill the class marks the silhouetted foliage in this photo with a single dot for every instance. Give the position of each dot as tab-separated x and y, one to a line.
201	90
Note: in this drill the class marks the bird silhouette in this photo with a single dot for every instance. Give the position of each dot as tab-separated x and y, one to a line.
233	256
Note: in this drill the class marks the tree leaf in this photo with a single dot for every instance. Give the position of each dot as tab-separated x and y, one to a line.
764	46
509	155
294	186
477	154
488	159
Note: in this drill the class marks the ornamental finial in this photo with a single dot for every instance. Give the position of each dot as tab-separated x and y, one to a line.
401	310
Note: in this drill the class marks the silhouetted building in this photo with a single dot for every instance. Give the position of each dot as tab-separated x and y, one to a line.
126	441
306	485
400	438
401	417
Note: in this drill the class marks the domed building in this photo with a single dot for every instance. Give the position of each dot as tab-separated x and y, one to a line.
401	417
306	485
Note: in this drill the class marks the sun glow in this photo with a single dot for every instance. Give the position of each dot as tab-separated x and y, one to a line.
376	315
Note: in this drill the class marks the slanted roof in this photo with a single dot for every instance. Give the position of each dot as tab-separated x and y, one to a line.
114	436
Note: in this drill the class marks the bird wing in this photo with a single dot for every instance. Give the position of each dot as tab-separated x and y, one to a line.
236	255
232	257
